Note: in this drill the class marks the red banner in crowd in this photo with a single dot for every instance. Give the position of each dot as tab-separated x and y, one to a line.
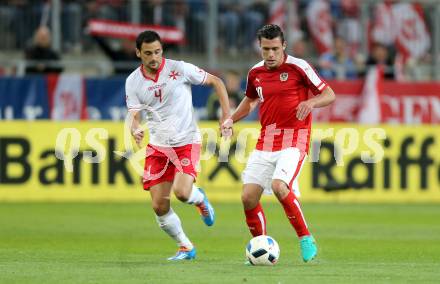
398	102
127	30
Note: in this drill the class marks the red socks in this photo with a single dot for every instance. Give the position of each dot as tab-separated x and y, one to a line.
294	214
256	221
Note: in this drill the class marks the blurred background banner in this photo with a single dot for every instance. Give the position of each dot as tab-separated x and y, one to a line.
396	103
340	166
104	98
130	31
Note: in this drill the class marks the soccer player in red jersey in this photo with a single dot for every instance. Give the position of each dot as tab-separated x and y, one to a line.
281	85
162	88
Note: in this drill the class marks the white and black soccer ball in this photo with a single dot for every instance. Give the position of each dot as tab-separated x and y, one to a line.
262	250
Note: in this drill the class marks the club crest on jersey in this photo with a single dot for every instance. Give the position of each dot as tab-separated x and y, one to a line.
173	75
185	162
284	76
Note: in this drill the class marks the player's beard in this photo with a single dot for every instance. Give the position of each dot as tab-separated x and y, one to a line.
152	66
272	63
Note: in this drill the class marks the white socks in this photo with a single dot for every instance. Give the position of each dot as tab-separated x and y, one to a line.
196	197
171	224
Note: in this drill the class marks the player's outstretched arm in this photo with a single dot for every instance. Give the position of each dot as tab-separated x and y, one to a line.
324	99
222	94
244	108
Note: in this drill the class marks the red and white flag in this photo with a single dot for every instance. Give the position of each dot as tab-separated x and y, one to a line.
404	25
413	39
279	15
320	23
384	29
67	99
369	106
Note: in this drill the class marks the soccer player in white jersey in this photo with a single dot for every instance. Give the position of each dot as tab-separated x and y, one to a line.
162	87
287	89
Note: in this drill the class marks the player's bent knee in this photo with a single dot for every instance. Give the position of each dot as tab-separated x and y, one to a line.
280	189
249	200
180	194
161	208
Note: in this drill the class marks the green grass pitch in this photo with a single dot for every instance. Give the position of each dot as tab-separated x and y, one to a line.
121	243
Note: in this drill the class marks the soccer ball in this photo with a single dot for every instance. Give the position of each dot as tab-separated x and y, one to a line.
262	250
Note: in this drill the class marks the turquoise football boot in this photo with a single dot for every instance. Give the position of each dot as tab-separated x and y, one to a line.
206	210
308	248
184	254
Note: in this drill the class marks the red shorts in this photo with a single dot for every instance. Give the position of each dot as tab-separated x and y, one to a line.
162	163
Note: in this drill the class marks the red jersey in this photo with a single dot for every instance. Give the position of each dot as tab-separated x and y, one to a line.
280	91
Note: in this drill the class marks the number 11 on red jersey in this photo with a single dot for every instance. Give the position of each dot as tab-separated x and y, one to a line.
260	93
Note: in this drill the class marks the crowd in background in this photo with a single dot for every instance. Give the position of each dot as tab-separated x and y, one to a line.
326	32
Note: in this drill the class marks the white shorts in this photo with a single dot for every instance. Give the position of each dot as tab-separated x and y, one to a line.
263	167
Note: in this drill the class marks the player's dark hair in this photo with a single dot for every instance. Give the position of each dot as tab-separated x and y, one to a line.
147	37
270	32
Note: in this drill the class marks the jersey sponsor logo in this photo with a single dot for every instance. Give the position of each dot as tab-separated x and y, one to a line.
284	76
155	87
173	75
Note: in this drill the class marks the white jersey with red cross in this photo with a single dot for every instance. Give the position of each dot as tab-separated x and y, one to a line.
167	100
